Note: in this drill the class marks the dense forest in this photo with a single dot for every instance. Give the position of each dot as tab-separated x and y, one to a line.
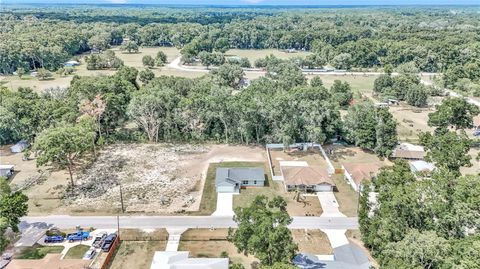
435	39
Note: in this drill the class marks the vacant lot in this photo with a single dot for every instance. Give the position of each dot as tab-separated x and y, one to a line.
161	178
411	121
136	254
253	54
205	243
314	242
359	83
340	154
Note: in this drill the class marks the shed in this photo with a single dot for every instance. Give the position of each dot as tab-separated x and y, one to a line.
422	167
6	170
409	151
356	173
19	146
306	178
230	180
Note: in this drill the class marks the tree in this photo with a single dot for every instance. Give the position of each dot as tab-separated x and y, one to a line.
13	205
385	133
228	74
147	109
342	61
417	95
43	74
455	113
130	46
263	232
148	60
316	82
383	84
63	146
417	250
279	266
208	59
161	58
146	75
341	92
447	149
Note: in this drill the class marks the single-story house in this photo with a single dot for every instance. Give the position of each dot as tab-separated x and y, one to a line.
232	179
306	178
356	173
180	260
409	151
19	146
422	167
6	170
349	256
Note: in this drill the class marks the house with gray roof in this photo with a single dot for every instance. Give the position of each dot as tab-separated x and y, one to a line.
180	260
230	180
349	256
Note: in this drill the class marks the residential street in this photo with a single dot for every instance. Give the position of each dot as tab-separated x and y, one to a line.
151	222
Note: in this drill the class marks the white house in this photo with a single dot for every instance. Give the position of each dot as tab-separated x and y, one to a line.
356	173
422	167
180	260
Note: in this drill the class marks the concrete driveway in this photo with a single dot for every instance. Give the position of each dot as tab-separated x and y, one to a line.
224	205
329	204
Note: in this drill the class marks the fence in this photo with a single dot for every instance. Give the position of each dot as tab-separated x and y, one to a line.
102	261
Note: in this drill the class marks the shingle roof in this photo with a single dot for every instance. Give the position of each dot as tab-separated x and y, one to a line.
362	171
310	175
230	176
408	151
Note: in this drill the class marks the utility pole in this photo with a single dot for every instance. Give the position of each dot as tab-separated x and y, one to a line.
121	199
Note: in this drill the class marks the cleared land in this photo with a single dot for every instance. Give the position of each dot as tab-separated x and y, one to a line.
312	157
314	242
253	55
205	243
359	83
411	121
136	254
156	178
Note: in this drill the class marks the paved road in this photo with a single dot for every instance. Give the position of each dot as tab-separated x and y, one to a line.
151	222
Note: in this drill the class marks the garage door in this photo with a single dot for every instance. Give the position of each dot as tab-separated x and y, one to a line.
223	189
323	188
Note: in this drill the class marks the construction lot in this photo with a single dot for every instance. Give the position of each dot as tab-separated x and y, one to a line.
155	178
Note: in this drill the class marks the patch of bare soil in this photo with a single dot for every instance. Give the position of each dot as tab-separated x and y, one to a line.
150	177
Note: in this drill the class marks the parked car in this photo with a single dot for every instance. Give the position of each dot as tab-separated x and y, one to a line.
98	242
90	254
54	239
78	236
108	242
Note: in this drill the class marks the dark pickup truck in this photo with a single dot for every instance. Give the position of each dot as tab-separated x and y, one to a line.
99	239
108	242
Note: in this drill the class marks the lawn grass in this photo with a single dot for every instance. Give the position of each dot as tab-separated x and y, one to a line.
359	83
208	203
76	252
136	254
347	197
37	252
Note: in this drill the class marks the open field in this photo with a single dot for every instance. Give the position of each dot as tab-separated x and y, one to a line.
253	54
411	121
359	83
314	242
155	178
136	254
205	243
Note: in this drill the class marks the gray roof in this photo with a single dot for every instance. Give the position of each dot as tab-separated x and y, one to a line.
230	176
348	256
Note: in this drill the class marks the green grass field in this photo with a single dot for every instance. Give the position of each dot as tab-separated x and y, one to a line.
76	252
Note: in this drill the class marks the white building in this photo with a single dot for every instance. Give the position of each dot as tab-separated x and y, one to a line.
6	170
180	260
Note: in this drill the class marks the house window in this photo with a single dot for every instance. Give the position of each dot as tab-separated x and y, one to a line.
254	182
245	182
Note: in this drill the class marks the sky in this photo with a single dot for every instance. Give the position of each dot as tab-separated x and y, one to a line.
258	2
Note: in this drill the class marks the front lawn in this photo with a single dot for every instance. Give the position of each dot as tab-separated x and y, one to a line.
76	252
37	252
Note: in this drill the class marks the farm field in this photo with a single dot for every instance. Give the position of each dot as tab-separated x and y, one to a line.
254	55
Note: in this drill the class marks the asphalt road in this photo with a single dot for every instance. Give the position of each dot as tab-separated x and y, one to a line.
151	222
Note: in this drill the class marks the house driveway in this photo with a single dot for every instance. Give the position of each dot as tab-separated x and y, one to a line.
329	204
224	205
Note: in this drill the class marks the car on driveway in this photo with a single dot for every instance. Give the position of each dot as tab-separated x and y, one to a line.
90	254
54	239
108	242
99	239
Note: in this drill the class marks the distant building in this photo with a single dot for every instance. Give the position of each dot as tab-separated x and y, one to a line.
6	170
230	180
19	146
180	260
71	63
306	178
355	173
422	167
409	152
